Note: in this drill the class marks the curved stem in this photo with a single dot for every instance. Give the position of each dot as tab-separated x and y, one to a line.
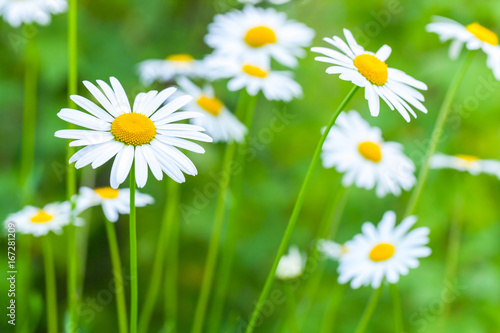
50	285
121	306
436	133
370	308
295	213
396	305
133	255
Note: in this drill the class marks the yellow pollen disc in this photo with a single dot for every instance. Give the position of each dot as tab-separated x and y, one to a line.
41	217
370	150
372	68
254	71
210	104
260	36
106	192
467	158
382	251
180	57
482	33
133	129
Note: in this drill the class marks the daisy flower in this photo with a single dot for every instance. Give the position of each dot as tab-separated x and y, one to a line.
17	12
169	69
258	33
473	35
355	148
145	134
383	252
469	163
219	122
330	249
113	202
40	221
369	70
291	265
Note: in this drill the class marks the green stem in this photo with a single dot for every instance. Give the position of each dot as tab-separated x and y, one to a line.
295	213
121	306
164	247
133	255
396	305
72	278
220	212
370	308
291	304
50	285
438	130
333	308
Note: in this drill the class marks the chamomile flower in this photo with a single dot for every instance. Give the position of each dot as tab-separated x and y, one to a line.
145	134
469	163
113	202
17	12
258	33
473	35
369	70
383	252
291	265
330	249
169	69
40	221
219	122
355	148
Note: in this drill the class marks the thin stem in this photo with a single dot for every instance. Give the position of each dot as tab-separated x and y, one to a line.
295	213
436	133
333	308
396	306
292	304
133	255
121	306
50	285
370	308
164	246
248	102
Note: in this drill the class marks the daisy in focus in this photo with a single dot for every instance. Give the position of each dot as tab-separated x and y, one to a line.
40	221
369	70
291	265
146	134
169	69
469	163
218	121
113	202
383	252
355	148
473	35
17	12
259	33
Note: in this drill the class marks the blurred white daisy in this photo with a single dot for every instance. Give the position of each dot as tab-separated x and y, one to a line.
169	69
40	221
291	265
17	12
355	148
330	249
145	134
113	202
383	252
369	70
469	163
258	33
254	77
219	122
473	35
254	2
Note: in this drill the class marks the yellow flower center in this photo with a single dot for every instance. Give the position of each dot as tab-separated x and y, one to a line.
106	192
382	251
254	71
180	57
133	129
482	33
260	36
372	68
41	217
467	158
210	104
370	150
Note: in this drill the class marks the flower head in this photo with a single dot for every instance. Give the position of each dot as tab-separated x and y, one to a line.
358	150
330	249
469	163
17	12
145	134
291	265
170	68
370	71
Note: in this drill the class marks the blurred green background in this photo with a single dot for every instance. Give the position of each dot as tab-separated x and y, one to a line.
116	35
